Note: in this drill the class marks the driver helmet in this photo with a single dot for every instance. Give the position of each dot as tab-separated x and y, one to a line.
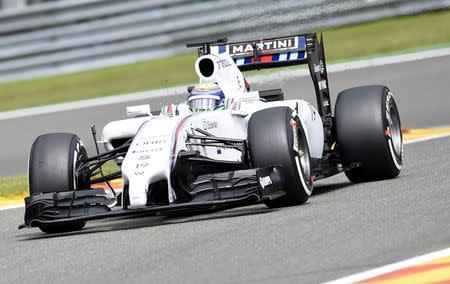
205	97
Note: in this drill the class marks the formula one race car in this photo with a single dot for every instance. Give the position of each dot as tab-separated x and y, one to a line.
226	146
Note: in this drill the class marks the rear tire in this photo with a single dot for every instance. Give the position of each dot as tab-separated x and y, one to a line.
53	161
277	137
368	131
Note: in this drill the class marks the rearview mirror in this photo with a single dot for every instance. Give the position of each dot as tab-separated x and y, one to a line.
138	111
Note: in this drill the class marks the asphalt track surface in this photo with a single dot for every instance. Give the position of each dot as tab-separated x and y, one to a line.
421	89
344	228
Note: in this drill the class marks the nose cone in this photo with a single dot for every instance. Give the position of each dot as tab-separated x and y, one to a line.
148	159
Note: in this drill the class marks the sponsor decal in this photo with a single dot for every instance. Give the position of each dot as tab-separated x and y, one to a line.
223	63
323	85
265	181
208	125
144	151
239	48
141	165
148	145
319	68
144	157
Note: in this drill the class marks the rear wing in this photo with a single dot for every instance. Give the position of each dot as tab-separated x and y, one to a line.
265	53
280	52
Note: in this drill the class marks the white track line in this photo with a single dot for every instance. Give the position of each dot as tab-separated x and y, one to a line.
339	67
409	142
13	114
12	207
427	138
391	267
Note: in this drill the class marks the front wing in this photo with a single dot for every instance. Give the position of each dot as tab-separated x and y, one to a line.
215	192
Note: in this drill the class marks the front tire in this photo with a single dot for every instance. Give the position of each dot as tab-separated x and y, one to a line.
368	132
53	163
276	137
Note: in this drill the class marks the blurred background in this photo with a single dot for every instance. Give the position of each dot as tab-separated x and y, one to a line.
48	37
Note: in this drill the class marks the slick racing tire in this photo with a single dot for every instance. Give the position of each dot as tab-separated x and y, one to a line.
277	137
368	132
53	161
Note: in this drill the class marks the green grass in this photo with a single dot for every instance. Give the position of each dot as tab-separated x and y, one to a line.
367	39
109	168
97	83
341	43
388	35
17	186
13	187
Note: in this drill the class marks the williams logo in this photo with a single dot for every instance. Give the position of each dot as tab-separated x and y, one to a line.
208	125
265	181
288	42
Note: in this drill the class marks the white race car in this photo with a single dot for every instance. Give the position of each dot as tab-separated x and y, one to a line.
225	146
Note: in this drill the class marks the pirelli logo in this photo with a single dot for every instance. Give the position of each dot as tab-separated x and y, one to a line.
279	43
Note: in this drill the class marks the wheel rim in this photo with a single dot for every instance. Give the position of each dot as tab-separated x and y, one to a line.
304	157
394	126
75	170
79	179
302	154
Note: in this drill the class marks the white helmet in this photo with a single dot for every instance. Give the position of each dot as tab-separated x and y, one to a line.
205	97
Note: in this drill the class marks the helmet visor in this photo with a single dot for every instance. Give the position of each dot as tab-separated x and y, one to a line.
203	103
